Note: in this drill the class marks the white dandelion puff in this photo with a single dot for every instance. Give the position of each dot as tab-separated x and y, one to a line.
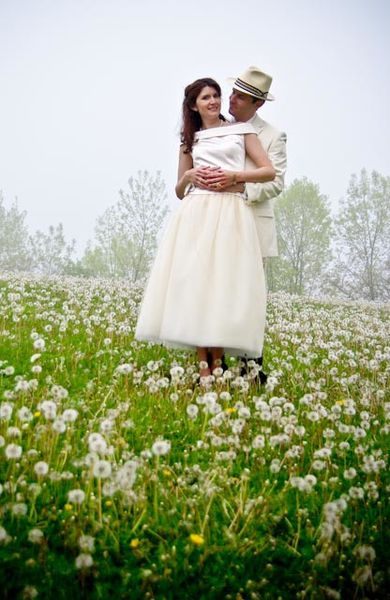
13	451
19	509
161	447
87	543
49	409
70	415
59	425
102	469
29	592
6	411
41	468
35	536
258	442
192	411
97	443
365	552
76	496
39	344
4	537
350	473
83	561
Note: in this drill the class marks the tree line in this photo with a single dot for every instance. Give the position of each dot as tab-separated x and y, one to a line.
345	255
124	243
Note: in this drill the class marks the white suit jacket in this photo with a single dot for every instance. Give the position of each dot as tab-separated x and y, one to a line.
261	196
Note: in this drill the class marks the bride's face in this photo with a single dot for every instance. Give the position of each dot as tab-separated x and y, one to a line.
208	103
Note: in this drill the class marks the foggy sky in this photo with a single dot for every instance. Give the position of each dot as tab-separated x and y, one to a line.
91	92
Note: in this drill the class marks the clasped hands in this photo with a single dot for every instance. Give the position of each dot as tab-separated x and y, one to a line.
212	178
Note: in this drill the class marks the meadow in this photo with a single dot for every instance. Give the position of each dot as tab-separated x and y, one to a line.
122	477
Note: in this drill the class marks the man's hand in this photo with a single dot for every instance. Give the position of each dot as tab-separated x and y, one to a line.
201	176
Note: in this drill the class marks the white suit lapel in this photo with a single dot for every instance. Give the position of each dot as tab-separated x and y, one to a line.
258	123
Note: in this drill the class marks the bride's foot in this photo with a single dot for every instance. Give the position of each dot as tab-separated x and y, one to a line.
204	372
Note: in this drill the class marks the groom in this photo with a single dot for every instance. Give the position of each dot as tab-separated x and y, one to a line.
250	92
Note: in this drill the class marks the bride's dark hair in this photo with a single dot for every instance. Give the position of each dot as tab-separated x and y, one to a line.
191	118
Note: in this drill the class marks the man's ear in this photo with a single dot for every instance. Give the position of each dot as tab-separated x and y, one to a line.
259	103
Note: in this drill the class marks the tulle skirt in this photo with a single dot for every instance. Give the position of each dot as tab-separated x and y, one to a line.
206	287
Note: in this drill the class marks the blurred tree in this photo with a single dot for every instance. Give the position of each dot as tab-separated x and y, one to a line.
303	224
362	265
14	253
101	258
51	254
142	211
126	234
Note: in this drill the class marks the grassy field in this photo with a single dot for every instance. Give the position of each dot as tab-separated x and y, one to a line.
122	478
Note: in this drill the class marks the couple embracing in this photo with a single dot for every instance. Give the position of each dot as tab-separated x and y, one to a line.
206	290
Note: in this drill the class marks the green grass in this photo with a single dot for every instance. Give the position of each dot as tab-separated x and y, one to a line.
279	491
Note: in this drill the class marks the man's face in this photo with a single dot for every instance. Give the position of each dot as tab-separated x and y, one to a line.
242	106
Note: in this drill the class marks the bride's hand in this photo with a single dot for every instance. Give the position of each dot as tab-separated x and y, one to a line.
199	176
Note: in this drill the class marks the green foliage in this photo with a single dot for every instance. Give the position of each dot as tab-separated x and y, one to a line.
14	251
126	234
266	492
362	268
304	228
51	254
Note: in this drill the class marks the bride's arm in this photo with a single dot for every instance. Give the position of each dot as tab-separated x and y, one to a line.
226	180
187	174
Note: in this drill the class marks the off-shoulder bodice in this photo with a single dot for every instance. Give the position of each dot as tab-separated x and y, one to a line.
222	147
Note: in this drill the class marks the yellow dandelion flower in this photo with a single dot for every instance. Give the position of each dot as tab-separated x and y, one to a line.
134	543
167	473
231	410
196	539
37	413
68	507
108	503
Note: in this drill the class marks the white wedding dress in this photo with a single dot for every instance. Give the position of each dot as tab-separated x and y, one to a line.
206	287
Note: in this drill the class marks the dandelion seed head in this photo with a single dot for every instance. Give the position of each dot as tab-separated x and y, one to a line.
19	509
35	536
87	543
76	496
362	575
192	411
4	537
39	344
13	432
70	415
365	552
29	592
102	469
350	473
84	561
41	468
161	447
356	493
13	451
6	410
48	409
59	425
97	443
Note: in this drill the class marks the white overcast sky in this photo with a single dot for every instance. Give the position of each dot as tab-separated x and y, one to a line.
91	92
